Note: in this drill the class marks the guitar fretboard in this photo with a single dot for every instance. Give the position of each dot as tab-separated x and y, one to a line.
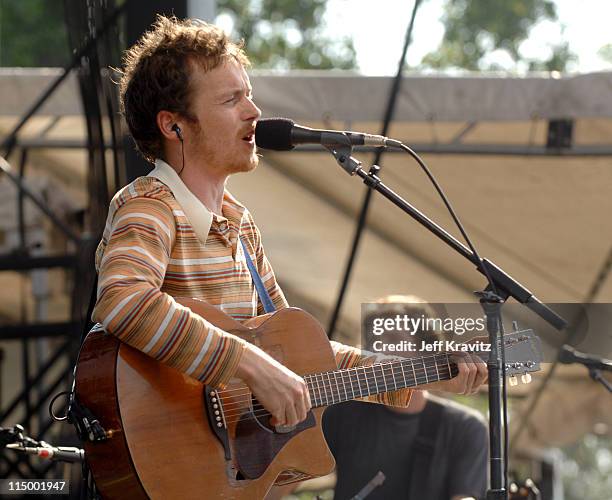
328	388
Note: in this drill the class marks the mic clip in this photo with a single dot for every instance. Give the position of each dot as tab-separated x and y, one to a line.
342	149
12	435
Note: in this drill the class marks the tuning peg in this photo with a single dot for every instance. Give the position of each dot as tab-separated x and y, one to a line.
513	381
526	378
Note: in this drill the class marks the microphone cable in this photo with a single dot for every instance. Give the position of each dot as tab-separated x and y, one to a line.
483	268
417	158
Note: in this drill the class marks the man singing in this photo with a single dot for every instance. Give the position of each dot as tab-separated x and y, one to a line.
178	232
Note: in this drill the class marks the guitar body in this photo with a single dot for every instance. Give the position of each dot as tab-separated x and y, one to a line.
163	439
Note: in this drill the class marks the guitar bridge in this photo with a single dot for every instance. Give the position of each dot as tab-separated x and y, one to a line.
214	411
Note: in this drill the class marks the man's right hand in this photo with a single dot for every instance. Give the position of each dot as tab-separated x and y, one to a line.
283	393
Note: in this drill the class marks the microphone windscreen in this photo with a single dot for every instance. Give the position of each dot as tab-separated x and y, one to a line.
274	133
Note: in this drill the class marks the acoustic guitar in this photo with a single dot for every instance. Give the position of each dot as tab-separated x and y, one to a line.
168	436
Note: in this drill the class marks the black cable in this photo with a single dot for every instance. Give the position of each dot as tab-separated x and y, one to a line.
52	413
450	209
485	271
505	413
183	154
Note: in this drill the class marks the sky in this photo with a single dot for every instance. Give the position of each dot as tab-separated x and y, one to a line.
378	29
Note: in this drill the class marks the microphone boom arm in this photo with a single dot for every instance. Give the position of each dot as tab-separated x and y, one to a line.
506	284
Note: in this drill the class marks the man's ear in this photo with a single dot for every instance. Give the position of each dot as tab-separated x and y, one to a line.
165	121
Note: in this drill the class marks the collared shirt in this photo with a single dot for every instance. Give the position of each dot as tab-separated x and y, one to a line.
161	242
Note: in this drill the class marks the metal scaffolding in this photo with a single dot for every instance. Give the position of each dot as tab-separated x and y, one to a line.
48	364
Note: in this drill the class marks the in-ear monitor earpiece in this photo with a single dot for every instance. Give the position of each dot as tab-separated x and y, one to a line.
177	131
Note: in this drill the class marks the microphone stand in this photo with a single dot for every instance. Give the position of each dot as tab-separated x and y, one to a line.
491	302
16	439
594	364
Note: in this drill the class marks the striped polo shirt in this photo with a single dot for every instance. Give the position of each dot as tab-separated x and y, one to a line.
161	242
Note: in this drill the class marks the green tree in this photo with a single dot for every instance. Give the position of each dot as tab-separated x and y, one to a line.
586	468
560	57
32	33
284	34
606	52
474	28
278	33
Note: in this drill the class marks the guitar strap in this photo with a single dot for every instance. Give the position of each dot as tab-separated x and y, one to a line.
423	449
262	292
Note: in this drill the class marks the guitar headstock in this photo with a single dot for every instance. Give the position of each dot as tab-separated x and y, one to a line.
523	351
524	491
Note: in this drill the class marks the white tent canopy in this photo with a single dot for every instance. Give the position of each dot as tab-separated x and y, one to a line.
315	95
312	96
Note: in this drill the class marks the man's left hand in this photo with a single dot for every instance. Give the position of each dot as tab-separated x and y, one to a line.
472	374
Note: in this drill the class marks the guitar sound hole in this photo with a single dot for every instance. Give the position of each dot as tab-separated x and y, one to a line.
255	450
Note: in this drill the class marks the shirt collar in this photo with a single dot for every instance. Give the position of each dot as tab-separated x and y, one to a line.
195	211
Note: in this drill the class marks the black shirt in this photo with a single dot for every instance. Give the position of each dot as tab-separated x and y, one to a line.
366	438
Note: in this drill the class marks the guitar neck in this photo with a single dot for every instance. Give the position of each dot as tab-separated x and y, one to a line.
337	386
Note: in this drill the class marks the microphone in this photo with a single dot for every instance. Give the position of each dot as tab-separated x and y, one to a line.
55	453
569	355
282	134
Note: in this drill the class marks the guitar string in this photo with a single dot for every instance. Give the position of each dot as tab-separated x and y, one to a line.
353	374
385	379
383	376
252	415
259	410
394	365
403	362
256	408
328	395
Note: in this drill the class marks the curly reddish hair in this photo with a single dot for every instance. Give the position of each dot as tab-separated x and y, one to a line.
156	74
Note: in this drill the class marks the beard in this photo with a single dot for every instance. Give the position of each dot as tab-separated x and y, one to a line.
224	159
238	164
248	165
